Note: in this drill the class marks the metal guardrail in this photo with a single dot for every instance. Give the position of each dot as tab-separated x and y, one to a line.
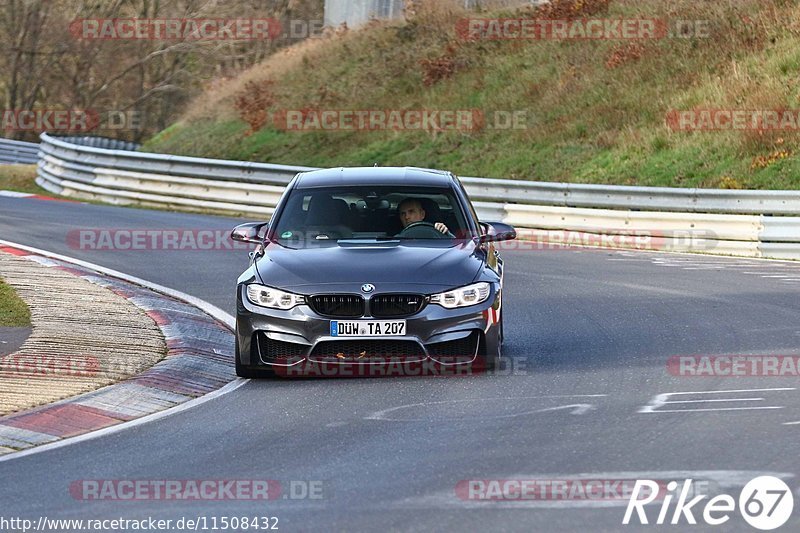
18	152
728	201
100	142
743	222
75	151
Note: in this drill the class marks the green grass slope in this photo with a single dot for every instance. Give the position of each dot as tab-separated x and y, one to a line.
13	311
594	109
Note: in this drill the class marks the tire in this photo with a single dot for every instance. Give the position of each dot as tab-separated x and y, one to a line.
491	361
502	331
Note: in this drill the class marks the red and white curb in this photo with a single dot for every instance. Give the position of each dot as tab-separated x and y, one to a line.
15	194
198	366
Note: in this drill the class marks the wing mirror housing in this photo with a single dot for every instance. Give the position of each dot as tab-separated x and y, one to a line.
496	231
249	232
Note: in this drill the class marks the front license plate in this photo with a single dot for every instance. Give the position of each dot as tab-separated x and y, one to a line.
368	328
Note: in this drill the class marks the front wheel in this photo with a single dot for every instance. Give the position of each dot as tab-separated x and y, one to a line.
502	332
491	354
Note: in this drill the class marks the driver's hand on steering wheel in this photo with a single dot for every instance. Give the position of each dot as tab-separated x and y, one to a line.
441	227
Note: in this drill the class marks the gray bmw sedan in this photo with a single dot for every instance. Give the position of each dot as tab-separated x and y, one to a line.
361	269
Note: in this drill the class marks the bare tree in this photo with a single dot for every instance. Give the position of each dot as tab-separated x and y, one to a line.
49	64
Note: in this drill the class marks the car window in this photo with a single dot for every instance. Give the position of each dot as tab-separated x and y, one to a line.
331	214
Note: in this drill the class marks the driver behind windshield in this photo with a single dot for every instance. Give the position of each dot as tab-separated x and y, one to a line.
410	211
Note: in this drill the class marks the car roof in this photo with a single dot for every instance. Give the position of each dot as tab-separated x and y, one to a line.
418	177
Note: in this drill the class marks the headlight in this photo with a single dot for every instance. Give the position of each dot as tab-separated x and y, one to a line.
463	296
273	298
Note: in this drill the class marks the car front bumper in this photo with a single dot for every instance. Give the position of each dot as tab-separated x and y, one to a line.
300	335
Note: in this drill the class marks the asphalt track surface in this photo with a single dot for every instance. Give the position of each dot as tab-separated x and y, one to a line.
588	332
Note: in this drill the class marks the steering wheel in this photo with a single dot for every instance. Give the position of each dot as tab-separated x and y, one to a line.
421	230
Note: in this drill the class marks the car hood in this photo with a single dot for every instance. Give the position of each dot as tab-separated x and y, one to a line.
390	266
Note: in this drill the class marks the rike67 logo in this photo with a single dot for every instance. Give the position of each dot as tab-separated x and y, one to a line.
765	503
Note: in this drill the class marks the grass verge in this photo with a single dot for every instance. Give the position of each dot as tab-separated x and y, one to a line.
20	178
13	311
596	111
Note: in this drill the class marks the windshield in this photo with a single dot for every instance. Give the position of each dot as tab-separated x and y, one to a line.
372	213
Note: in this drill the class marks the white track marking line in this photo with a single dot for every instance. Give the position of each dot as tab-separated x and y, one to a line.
666	255
578	409
763	271
727	266
715	409
747	265
685	393
212	310
659	400
718	400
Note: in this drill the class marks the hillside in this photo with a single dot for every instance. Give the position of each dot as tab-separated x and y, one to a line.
591	111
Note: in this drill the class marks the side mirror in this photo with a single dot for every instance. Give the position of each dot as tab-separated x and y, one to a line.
249	232
496	231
